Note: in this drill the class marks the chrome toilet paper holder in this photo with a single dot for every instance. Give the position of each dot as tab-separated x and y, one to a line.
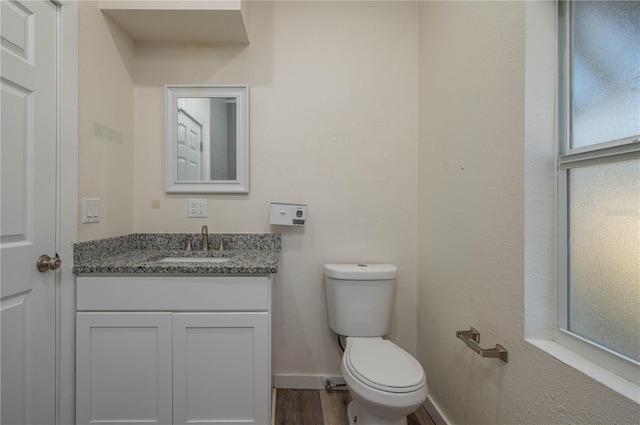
472	339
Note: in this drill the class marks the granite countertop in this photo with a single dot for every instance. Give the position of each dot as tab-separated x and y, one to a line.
250	253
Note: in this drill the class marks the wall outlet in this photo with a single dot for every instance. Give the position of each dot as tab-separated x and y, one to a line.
90	210
197	208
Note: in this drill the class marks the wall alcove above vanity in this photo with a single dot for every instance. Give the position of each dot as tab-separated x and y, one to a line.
180	21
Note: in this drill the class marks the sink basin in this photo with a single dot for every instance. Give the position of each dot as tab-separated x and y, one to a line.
193	260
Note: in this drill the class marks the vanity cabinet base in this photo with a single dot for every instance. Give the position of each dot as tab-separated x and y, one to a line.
220	368
123	368
173	367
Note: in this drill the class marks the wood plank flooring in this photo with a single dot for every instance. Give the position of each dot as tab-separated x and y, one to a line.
319	407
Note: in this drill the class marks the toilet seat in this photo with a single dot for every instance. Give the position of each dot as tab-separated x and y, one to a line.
383	365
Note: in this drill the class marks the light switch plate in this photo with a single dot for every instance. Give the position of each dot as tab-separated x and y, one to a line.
90	210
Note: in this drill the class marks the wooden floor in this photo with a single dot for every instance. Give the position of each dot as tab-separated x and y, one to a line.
319	407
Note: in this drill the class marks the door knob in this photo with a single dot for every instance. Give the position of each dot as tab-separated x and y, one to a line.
45	263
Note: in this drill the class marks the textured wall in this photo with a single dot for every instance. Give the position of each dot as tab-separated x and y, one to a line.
105	97
471	228
333	124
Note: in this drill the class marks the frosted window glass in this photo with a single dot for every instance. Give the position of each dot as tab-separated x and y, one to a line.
605	92
604	255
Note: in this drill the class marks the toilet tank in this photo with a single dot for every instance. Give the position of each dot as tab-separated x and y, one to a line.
360	298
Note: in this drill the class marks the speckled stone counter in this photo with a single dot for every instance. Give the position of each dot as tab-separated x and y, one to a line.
139	253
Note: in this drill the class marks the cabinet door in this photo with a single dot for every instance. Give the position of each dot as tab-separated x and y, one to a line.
123	368
221	368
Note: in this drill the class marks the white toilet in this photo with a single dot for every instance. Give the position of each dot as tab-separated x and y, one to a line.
386	382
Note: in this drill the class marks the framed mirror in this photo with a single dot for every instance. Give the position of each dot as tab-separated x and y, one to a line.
207	139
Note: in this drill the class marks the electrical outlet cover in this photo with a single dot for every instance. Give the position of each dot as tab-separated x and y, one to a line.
197	208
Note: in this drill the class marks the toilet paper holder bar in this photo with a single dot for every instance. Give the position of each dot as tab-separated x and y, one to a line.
472	339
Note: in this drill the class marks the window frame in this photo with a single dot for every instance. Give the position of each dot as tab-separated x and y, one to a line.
567	159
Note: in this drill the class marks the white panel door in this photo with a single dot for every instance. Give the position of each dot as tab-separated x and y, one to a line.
28	186
221	368
189	147
123	368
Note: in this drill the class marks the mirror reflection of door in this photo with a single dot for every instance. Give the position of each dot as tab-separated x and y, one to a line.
193	122
189	147
206	139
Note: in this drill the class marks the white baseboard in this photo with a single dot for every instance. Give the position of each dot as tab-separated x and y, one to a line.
303	382
434	411
316	382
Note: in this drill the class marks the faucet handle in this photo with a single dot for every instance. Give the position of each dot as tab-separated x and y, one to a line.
188	248
221	246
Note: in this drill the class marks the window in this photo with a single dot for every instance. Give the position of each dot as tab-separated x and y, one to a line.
599	183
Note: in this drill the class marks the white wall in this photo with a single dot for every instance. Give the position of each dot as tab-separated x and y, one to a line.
471	228
105	97
335	112
333	124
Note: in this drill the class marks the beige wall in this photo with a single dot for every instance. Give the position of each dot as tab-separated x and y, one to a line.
335	114
471	228
333	125
105	96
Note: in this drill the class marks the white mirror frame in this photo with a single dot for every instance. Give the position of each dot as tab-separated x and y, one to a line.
241	94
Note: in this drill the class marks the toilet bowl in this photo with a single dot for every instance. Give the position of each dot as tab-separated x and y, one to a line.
386	382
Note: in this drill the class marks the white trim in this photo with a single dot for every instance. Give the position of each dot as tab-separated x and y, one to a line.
600	374
316	382
562	58
542	268
569	159
613	362
303	382
604	145
67	198
562	223
540	292
435	412
607	154
241	183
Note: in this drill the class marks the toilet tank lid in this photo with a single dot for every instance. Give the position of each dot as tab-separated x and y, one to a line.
361	271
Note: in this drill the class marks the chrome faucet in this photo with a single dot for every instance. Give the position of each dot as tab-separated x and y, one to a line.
205	238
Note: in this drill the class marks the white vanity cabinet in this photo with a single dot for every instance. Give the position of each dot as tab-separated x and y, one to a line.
173	349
